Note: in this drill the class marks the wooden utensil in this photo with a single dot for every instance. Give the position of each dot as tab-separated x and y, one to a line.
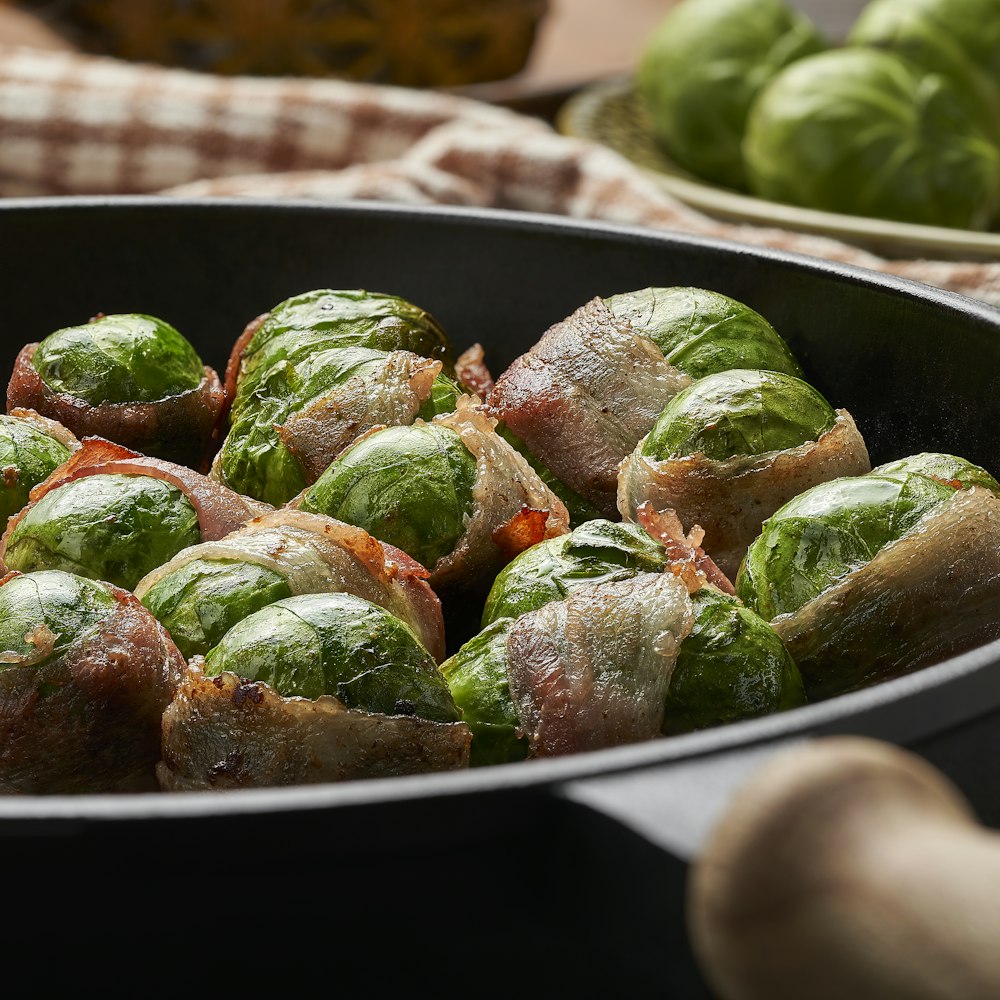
848	868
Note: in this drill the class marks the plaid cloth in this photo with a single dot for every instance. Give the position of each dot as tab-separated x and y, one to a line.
75	124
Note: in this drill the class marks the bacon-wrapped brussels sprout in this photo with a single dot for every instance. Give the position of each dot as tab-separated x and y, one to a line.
588	671
870	577
702	332
206	589
730	449
128	377
112	514
318	371
583	397
85	675
730	664
317	687
31	448
597	551
452	494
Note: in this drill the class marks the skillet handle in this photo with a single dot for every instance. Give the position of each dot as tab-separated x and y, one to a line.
848	868
675	806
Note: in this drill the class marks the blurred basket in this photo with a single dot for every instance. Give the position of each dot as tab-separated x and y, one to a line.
414	43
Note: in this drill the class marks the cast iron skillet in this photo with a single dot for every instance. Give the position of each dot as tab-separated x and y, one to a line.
563	875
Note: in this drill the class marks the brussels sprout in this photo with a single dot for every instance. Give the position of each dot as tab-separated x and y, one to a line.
958	38
327	317
702	69
703	332
48	607
408	486
732	666
949	468
864	132
27	455
825	533
598	551
739	412
477	676
202	600
254	459
119	359
106	527
341	645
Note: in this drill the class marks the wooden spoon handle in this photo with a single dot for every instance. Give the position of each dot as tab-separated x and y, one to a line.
848	868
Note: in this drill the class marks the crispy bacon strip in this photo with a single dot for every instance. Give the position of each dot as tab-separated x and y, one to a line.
393	395
182	428
220	510
222	732
583	396
592	671
505	485
235	363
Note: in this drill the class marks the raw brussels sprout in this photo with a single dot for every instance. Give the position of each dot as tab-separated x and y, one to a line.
711	683
107	527
703	332
959	38
823	534
65	606
950	468
254	459
408	486
119	359
477	676
702	69
598	551
865	132
341	645
27	455
739	412
203	599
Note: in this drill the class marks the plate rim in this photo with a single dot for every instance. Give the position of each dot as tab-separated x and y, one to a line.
733	206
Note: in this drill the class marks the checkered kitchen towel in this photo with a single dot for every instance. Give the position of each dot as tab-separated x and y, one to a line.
75	124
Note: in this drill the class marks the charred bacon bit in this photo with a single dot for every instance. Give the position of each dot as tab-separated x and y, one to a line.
183	428
687	559
472	371
524	529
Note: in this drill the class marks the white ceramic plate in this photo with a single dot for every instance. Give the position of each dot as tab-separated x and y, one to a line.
608	112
